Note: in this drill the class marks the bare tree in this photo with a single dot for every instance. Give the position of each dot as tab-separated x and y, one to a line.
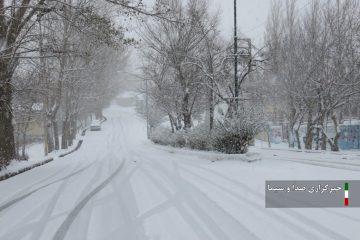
314	58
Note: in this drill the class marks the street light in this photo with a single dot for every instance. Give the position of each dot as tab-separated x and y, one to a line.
147	110
236	56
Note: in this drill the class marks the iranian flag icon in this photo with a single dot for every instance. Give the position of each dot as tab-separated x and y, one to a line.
346	188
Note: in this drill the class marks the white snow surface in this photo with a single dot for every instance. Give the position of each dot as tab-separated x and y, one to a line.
36	155
121	186
129	94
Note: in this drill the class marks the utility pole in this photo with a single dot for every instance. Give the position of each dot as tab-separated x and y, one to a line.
147	111
236	56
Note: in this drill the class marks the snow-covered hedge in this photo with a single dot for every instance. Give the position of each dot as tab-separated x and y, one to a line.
195	139
231	136
235	134
200	138
163	136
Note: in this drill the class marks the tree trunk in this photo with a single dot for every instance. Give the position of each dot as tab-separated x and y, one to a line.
172	123
72	131
24	133
268	138
319	131
64	137
49	143
23	147
291	137
70	139
335	143
292	122
187	121
297	135
179	122
211	108
7	140
323	140
309	132
212	114
322	135
17	140
56	134
232	109
317	143
320	122
186	111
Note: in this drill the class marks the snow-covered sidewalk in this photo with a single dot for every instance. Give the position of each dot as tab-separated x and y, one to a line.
121	186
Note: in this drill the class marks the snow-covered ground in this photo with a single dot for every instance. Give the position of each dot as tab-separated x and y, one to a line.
121	186
36	155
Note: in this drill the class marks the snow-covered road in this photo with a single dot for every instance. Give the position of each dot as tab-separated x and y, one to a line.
120	186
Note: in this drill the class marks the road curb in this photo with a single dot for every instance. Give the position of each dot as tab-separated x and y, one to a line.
74	150
13	174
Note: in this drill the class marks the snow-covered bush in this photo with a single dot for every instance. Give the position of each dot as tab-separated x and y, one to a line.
232	135
197	138
200	138
164	136
232	142
160	136
178	139
235	133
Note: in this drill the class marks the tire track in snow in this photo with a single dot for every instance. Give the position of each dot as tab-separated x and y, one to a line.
50	176
129	211
193	203
293	214
84	220
258	207
194	223
14	201
125	195
174	201
28	225
41	223
63	229
189	163
241	229
45	217
44	179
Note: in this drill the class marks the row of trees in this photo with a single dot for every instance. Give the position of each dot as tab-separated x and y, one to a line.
189	71
59	61
314	60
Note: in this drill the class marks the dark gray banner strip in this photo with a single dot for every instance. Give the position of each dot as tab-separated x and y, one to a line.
312	194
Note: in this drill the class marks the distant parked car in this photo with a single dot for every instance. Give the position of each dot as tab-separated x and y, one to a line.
95	125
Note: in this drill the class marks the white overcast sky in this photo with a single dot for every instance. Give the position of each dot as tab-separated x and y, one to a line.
252	16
